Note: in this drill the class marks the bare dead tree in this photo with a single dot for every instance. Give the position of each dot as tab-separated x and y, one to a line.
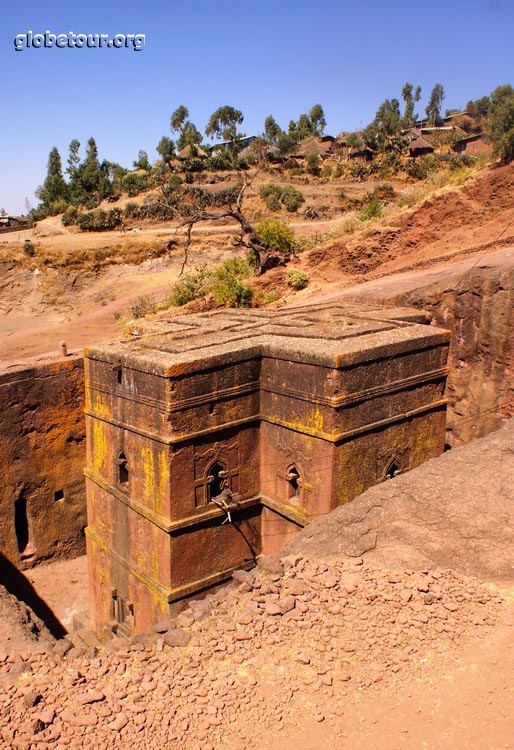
265	256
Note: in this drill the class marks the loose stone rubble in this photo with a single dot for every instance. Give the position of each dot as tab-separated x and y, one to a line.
290	638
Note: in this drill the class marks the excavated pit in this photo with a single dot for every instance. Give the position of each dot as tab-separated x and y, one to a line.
42	518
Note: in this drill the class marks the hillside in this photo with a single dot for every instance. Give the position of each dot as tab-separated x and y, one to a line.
77	285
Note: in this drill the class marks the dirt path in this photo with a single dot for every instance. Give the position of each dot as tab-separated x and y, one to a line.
462	701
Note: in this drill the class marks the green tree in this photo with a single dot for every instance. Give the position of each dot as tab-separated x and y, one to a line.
501	122
433	108
166	149
89	173
383	132
73	159
223	123
54	188
189	135
317	119
92	182
142	161
272	130
353	140
178	118
410	97
479	108
286	144
304	127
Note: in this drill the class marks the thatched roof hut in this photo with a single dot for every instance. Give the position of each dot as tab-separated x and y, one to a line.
314	146
191	151
420	147
363	153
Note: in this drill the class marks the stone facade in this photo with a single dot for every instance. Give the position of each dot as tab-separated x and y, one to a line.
214	437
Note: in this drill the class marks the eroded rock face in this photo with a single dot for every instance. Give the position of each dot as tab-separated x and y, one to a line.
20	627
478	309
42	445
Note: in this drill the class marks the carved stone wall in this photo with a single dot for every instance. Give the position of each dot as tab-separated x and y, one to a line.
214	437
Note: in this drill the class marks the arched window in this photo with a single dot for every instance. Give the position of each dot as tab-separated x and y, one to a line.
294	483
392	470
123	472
216	480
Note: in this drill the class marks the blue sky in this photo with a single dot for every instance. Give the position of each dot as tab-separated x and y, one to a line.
264	57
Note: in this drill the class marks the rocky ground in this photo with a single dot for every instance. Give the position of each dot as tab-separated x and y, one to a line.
330	646
292	641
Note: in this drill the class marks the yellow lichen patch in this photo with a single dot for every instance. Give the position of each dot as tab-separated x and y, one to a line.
155	477
315	420
101	407
99	447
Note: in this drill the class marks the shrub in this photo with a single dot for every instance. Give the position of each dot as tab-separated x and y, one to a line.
349	225
358	170
141	307
92	202
58	207
277	234
133	183
131	210
100	220
269	297
391	163
229	287
28	248
192	286
219	161
156	211
225	196
415	168
291	198
311	212
297	279
338	170
384	192
70	216
271	194
373	210
313	164
421	167
193	164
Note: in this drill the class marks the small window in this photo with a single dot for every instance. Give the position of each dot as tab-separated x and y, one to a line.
21	524
58	495
392	471
294	483
119	375
123	472
216	481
